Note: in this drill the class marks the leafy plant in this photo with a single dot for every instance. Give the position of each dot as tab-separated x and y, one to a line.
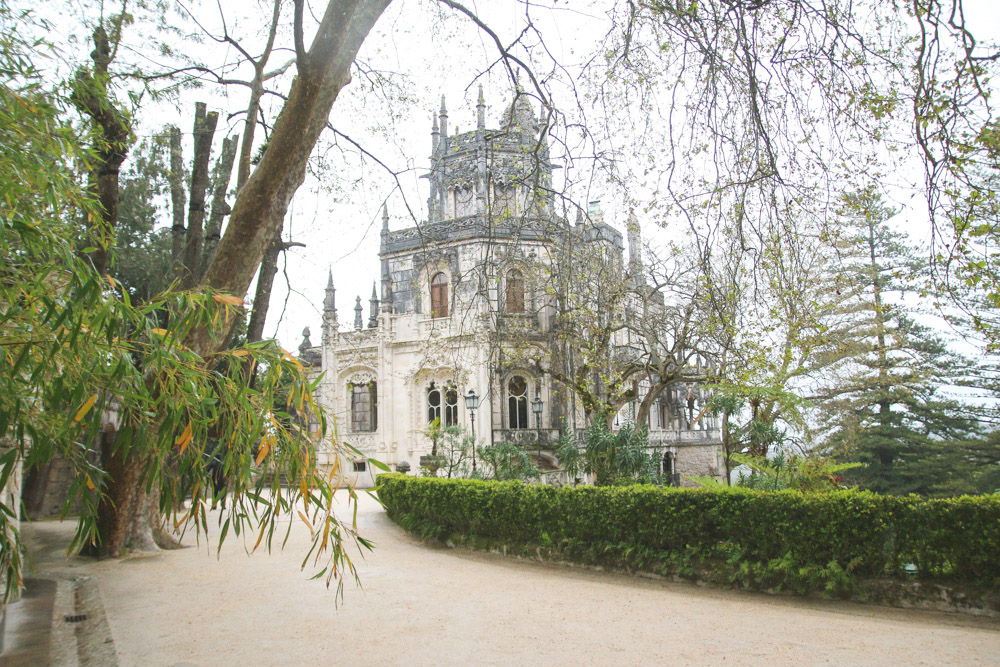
611	456
791	471
506	461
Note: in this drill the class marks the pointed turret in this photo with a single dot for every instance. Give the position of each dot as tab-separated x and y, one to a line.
385	218
329	312
481	110
444	123
373	309
634	248
435	134
330	299
358	324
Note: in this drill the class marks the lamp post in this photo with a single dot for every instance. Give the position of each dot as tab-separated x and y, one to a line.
536	407
471	403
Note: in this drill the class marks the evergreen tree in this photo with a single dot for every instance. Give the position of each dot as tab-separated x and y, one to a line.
884	407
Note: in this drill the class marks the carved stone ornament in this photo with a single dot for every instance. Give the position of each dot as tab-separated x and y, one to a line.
359	374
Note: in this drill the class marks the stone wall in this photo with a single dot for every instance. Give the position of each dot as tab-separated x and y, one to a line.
703	460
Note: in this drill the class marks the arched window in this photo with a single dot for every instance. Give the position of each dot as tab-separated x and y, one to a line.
439	295
515	291
364	407
433	403
517	402
669	470
450	405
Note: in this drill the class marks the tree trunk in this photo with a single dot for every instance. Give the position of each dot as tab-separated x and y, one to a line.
90	96
220	208
263	201
262	296
178	198
123	519
204	131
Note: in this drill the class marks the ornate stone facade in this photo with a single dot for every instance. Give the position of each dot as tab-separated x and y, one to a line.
451	287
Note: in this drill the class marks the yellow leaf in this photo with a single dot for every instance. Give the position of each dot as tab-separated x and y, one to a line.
306	521
241	353
159	332
90	483
185	438
260	537
265	445
228	299
85	408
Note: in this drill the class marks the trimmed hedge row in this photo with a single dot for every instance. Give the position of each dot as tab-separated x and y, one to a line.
870	535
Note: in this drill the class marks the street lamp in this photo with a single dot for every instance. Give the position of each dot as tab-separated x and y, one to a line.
471	403
536	407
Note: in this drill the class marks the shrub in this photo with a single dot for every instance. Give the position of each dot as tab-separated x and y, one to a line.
817	541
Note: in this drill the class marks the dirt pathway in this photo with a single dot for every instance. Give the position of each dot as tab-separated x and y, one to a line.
424	605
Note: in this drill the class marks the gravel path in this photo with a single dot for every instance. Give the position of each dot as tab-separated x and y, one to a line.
425	605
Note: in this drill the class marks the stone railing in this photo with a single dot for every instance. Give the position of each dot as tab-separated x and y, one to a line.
529	438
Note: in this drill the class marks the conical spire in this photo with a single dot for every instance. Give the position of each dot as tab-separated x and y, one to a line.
385	218
357	314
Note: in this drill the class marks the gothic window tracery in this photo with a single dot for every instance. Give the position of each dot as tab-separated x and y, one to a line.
442	403
433	403
517	402
465	202
439	295
450	405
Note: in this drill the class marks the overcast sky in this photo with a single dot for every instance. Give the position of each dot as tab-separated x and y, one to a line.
424	52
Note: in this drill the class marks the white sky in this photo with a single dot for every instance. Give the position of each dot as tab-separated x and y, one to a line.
338	215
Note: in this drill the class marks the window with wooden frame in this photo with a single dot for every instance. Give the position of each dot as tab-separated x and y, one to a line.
439	295
515	291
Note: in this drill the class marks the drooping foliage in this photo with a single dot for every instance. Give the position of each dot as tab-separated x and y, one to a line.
93	377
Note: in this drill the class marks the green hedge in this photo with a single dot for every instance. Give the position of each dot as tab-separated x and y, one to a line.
867	535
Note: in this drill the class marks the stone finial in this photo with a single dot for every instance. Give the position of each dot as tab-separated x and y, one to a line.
357	314
306	343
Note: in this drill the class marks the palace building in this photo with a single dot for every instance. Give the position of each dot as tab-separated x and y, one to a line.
475	299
